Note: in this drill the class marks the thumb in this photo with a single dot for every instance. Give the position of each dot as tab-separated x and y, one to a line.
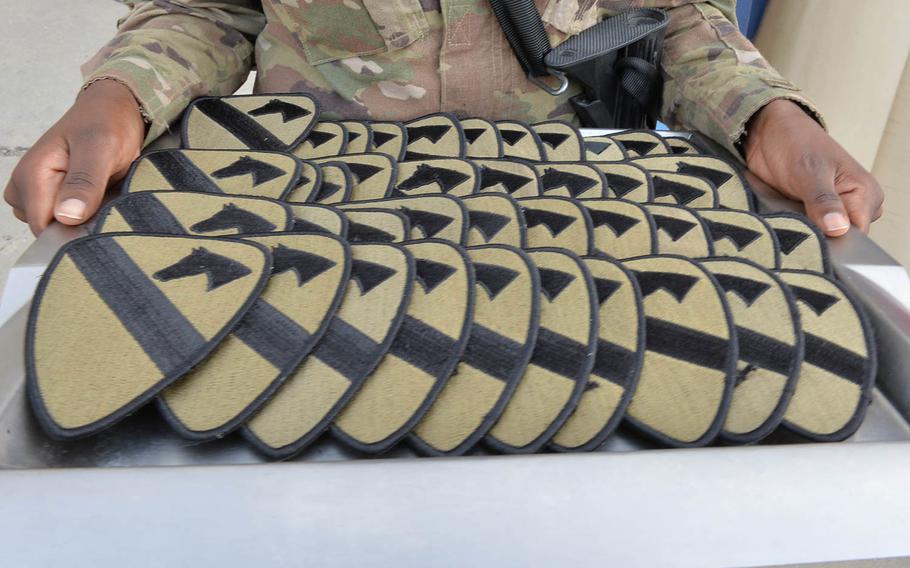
825	208
83	187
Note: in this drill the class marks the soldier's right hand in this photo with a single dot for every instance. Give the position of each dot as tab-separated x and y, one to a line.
65	174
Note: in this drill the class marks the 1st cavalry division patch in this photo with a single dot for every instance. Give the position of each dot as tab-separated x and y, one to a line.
617	362
451	176
434	136
233	172
253	122
357	339
189	213
833	389
621	229
422	356
482	138
770	348
309	273
562	359
495	219
557	222
506	317
157	304
690	361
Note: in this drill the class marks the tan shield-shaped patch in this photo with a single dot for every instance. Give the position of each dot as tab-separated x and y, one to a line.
315	218
579	181
622	229
377	226
254	122
482	138
309	183
337	183
627	181
155	305
309	275
732	190
557	222
603	149
434	136
680	231
503	333
638	143
451	176
685	190
838	370
802	246
356	341
520	141
430	216
233	172
424	353
389	138
373	174
183	213
495	219
562	142
770	347
562	359
681	146
516	178
617	362
690	361
741	234
326	139
360	137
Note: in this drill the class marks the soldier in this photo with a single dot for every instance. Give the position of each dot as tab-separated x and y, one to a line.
398	60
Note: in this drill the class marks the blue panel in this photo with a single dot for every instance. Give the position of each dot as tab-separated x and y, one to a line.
749	14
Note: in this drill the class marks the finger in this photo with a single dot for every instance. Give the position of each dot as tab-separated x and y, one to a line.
826	210
80	194
863	202
34	184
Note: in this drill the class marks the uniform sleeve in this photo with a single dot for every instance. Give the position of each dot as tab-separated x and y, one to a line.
715	78
168	52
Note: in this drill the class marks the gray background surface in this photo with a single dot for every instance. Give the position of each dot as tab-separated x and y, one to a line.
43	43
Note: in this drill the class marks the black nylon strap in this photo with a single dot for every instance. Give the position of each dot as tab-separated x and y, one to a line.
523	27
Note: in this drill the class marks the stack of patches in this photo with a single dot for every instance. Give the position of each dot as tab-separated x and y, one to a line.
444	283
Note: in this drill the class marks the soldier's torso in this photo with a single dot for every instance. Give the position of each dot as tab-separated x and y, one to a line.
398	59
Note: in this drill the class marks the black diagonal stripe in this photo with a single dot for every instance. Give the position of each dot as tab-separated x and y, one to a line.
423	346
763	351
166	336
560	354
274	336
835	359
687	344
240	125
181	173
613	362
348	350
145	213
492	353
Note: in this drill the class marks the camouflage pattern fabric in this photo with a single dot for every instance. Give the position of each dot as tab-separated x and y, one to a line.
375	59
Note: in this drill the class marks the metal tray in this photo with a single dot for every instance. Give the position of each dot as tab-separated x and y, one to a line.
782	501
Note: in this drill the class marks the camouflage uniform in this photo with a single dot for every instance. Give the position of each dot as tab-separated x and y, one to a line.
398	59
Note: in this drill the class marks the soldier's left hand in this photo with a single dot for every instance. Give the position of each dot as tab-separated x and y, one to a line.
788	150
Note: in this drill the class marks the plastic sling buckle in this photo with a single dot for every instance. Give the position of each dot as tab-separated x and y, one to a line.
616	62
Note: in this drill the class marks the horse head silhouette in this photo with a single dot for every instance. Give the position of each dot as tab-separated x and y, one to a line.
219	269
233	217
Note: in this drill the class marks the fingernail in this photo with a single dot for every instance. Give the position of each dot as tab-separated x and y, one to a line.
835	222
72	208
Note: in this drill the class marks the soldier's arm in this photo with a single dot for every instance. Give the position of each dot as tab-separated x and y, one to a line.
718	83
164	54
